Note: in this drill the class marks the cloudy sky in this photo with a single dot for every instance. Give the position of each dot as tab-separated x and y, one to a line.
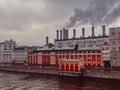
28	22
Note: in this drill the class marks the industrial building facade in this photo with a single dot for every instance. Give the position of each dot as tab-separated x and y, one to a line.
93	51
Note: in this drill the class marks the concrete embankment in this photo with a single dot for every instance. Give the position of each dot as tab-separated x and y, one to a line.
112	74
106	74
32	70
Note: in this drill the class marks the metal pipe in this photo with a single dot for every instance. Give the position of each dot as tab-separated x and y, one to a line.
83	32
57	31
93	34
74	33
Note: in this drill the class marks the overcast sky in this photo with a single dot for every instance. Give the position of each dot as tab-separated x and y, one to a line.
28	22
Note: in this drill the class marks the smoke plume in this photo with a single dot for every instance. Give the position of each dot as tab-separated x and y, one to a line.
99	12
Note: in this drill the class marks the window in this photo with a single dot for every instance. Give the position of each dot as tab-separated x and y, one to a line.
98	58
84	51
113	37
105	48
88	42
106	53
100	41
119	33
5	47
78	42
113	48
67	52
60	43
119	43
10	47
113	33
89	52
113	42
98	51
119	37
69	43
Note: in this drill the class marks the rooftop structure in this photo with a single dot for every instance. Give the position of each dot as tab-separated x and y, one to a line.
82	41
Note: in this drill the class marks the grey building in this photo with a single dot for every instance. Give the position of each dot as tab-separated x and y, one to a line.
6	51
20	55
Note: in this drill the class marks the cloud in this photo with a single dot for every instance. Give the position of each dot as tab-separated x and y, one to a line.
29	21
21	14
16	15
99	12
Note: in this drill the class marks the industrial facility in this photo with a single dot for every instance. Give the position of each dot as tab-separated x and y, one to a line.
69	54
72	54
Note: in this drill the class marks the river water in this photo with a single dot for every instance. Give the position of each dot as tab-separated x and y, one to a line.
21	81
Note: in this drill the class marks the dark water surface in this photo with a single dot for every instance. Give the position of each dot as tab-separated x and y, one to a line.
20	81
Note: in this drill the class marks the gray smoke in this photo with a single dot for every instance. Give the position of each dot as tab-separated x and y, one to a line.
99	12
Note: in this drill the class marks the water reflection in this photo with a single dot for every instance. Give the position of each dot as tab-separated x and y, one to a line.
20	81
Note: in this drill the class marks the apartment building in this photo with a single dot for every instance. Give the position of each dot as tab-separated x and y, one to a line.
114	36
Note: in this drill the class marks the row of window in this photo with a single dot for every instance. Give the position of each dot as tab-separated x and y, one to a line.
115	42
67	52
105	48
106	53
86	42
114	33
8	47
115	54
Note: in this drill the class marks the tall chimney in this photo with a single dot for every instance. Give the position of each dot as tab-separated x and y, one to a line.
83	32
93	34
74	33
64	33
103	30
47	40
61	35
67	34
57	31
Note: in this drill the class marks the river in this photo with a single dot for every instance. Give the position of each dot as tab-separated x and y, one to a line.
22	81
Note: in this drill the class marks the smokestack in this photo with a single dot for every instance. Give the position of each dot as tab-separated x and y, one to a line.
64	33
47	40
61	35
103	30
93	34
74	33
57	31
83	32
67	34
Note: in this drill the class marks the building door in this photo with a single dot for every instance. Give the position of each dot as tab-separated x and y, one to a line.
106	63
